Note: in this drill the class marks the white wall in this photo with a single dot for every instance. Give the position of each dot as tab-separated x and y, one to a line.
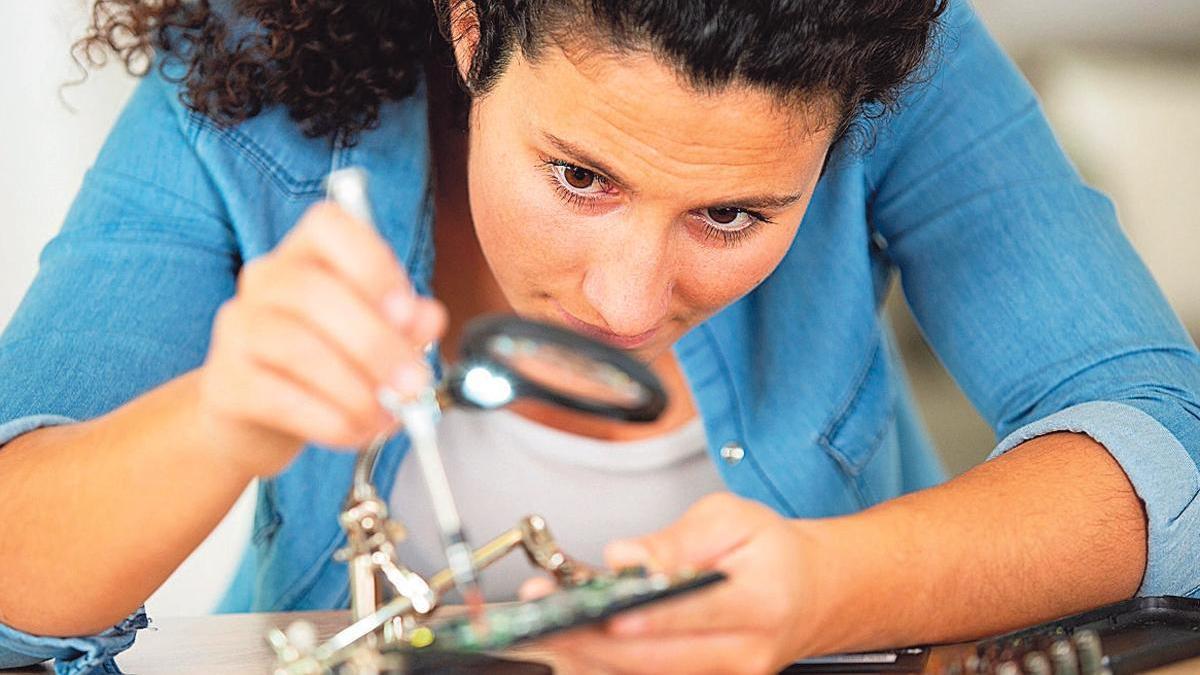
1130	120
45	148
1029	26
1120	82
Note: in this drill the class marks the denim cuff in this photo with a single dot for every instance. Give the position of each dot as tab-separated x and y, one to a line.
1161	472
72	655
23	425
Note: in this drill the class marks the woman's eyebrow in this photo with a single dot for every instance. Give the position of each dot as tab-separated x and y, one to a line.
578	154
765	202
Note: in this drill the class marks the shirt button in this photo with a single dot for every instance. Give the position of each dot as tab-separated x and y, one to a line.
732	452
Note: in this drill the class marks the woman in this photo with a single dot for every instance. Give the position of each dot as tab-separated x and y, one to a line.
723	189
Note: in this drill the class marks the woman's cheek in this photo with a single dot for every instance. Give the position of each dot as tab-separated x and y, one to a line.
526	240
743	267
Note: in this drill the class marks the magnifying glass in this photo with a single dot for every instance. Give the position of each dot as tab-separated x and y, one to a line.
505	358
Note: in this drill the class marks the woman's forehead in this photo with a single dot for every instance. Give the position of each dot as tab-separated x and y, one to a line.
633	112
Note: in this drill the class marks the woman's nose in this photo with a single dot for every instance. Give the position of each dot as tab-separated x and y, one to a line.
628	283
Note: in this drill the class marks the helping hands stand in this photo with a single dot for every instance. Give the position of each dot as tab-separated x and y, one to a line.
387	598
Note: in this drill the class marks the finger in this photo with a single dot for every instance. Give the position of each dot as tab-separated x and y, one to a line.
328	306
713	609
716	608
428	323
710	529
562	661
351	248
710	653
721	607
288	347
566	641
272	401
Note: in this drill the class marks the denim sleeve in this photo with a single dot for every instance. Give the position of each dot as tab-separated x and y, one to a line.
123	301
1022	281
1164	477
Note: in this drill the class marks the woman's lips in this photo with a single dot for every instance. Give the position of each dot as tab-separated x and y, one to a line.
614	339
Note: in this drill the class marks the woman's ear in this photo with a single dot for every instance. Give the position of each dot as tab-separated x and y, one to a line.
464	35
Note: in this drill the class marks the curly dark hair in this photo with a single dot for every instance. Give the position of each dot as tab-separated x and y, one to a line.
333	63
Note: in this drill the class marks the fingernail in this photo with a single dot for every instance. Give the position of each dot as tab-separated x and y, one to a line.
398	305
624	553
628	624
535	588
410	378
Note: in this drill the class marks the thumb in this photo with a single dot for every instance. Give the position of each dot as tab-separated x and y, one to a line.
709	530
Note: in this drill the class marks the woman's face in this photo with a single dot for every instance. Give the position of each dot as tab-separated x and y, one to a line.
610	197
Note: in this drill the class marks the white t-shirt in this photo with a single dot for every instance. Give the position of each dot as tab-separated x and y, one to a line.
502	467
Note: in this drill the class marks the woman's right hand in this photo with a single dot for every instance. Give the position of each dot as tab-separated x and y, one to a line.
316	328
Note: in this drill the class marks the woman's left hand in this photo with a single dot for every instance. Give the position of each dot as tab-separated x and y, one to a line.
756	621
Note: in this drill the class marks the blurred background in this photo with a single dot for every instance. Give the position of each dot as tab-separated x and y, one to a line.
1119	80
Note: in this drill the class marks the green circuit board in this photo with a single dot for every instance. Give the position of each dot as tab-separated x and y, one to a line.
506	625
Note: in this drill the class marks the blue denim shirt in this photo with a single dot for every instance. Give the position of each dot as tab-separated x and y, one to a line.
1017	272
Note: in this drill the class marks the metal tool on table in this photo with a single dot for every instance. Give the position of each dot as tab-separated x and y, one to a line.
1127	637
502	359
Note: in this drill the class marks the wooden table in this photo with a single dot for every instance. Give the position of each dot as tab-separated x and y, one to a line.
233	644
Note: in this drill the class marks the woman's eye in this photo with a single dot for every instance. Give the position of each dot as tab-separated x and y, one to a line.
579	180
729	218
730	225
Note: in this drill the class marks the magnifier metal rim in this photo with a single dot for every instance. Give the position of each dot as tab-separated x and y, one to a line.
475	351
